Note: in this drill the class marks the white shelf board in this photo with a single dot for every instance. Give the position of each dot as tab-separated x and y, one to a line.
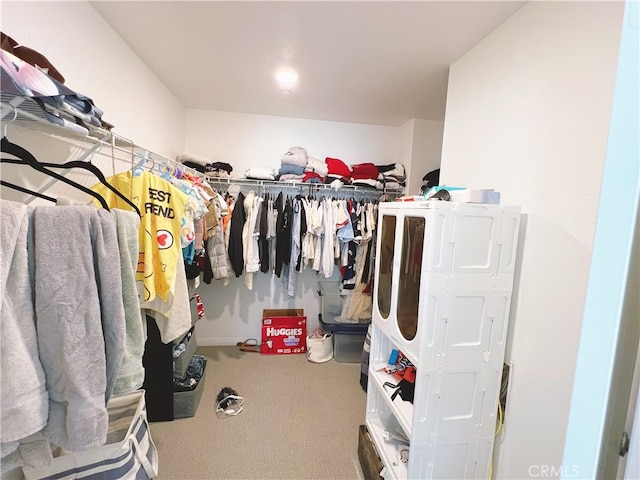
403	410
388	451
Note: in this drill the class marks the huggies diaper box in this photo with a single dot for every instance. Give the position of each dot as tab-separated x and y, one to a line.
283	331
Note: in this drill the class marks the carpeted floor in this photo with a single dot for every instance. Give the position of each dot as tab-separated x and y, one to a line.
300	421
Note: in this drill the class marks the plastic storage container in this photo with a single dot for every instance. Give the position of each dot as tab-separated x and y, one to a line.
347	347
348	338
181	363
185	404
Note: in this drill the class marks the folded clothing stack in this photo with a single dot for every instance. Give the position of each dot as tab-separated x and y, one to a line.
218	169
292	165
392	176
193	161
205	165
365	175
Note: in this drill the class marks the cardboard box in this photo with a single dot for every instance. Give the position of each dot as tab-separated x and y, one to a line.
284	331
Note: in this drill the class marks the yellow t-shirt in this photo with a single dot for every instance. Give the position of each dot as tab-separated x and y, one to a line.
161	208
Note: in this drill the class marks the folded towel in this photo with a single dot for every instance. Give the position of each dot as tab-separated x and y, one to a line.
131	374
288	168
289	177
25	406
221	174
34	452
77	261
367	182
318	166
391	185
191	157
260	173
106	254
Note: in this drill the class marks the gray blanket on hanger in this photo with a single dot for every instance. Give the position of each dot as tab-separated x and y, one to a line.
131	374
24	403
80	319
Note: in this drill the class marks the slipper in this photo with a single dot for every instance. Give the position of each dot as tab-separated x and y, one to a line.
249	345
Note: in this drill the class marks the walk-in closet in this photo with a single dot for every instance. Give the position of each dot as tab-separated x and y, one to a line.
319	240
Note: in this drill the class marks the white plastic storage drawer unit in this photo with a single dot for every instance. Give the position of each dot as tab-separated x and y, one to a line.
444	276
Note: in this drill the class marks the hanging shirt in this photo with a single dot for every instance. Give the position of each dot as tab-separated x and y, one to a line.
161	208
296	206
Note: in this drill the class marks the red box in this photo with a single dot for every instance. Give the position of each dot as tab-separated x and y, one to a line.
283	331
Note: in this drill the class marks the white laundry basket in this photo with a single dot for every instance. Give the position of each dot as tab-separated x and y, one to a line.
128	454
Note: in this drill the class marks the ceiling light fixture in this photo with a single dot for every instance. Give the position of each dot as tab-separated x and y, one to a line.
287	80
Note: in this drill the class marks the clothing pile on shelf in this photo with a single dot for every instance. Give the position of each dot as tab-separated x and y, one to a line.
365	175
72	331
27	73
292	165
296	166
392	176
205	165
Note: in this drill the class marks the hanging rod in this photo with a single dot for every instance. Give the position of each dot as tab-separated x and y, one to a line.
301	186
30	110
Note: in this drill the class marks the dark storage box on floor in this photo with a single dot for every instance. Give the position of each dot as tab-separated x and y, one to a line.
348	338
367	454
181	363
185	404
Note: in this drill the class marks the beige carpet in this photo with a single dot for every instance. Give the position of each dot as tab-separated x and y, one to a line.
300	421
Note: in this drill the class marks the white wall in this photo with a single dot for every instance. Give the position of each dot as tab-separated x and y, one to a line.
233	313
527	113
245	140
96	62
425	153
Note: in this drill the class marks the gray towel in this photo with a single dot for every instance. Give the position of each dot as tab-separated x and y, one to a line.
24	403
78	291
131	374
106	252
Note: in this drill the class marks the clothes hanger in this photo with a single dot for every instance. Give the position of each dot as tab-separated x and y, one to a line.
24	157
97	172
26	190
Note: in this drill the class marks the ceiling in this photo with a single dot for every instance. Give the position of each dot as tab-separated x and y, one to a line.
381	63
